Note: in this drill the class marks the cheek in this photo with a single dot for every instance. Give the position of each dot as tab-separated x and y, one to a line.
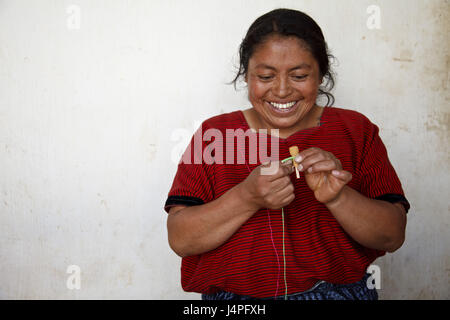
256	90
309	89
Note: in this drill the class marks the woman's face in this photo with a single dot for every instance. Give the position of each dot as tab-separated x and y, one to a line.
283	80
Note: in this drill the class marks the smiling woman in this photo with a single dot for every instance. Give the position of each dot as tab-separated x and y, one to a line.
235	224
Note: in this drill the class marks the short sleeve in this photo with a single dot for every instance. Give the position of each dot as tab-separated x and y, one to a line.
194	180
378	177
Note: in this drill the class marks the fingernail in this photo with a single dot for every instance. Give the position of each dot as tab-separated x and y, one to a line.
335	173
298	158
310	169
300	167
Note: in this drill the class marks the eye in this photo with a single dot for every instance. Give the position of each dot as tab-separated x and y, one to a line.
302	77
265	78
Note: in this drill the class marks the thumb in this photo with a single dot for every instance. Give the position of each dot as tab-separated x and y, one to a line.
265	163
269	168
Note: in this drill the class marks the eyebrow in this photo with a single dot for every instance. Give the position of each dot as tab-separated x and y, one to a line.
266	66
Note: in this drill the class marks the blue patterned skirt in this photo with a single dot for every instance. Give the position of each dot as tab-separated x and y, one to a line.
320	291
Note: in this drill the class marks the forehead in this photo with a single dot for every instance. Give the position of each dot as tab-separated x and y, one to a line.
282	52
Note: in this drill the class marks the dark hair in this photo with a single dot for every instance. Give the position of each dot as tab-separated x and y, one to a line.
288	22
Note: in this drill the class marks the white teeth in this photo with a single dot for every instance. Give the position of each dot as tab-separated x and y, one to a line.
283	106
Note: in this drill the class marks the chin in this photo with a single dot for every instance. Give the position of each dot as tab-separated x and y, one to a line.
283	124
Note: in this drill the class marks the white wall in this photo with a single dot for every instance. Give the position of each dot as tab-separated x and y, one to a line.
87	116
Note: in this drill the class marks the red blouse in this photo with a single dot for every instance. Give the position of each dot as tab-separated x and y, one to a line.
316	246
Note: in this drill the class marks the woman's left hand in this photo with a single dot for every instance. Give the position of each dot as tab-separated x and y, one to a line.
323	173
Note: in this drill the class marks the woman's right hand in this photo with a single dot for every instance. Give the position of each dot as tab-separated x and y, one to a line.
198	229
269	186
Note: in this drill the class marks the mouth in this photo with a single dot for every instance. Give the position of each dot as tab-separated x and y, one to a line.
283	107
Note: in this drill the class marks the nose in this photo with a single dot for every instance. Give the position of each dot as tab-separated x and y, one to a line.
282	88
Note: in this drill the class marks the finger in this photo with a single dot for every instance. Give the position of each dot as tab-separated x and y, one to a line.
315	158
289	165
278	199
322	180
287	200
325	165
276	170
281	184
342	175
269	168
285	192
306	153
